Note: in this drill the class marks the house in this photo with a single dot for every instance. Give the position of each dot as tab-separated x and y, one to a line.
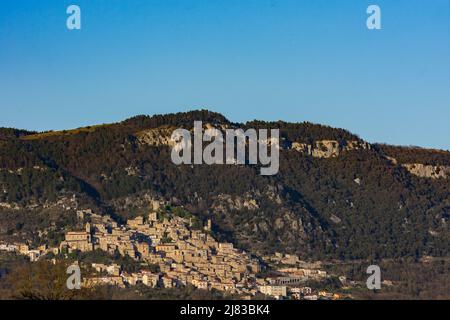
34	255
274	291
150	279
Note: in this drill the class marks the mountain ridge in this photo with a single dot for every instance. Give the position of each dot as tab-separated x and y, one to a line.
348	203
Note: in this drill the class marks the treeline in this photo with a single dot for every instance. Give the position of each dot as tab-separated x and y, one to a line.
416	155
401	279
305	132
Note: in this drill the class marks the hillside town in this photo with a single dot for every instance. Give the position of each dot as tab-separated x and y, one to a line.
185	253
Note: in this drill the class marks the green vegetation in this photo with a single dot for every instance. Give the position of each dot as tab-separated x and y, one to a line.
49	134
39	281
166	239
416	155
44	281
403	279
99	256
305	132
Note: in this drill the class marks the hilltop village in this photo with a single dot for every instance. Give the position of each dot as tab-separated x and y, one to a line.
185	253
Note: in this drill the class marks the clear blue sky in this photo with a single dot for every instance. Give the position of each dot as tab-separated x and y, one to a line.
293	60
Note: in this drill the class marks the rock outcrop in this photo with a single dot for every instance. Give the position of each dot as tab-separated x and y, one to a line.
156	137
329	148
428	171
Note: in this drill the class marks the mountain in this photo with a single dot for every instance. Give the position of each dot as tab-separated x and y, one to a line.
335	196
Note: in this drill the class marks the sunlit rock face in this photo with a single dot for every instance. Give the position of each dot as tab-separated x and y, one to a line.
428	171
329	148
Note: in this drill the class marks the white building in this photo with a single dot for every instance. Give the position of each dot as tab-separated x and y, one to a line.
274	291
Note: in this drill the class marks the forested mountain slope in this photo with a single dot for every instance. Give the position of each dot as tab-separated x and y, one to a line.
335	195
